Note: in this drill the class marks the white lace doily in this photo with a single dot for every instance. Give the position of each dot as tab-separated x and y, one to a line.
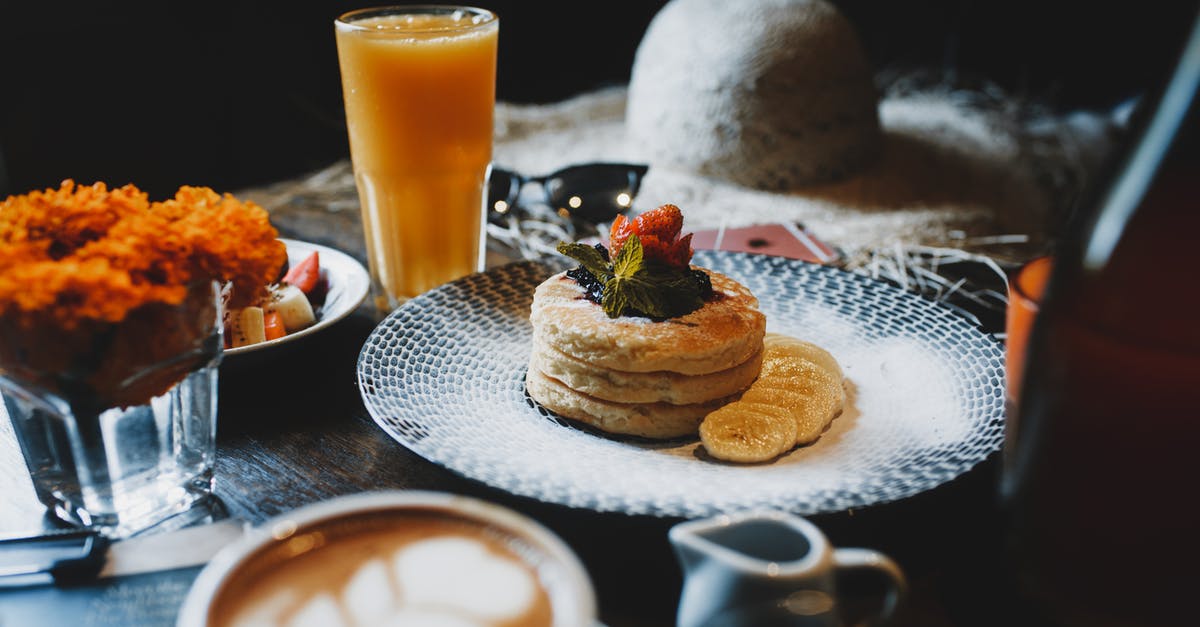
444	376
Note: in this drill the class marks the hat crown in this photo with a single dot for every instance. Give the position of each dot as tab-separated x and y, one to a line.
770	94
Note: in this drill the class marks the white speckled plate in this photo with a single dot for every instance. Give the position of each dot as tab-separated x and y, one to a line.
444	376
348	286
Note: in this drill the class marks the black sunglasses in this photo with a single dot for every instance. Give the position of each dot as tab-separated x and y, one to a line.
589	192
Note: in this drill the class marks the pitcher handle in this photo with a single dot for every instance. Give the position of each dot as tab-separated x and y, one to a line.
876	561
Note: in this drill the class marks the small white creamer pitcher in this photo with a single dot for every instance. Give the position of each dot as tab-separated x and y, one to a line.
768	568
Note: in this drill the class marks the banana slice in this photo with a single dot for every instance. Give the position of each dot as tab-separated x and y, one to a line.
747	432
806	350
806	391
800	381
292	306
247	327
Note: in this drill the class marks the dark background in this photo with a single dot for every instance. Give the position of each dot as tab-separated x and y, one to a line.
235	94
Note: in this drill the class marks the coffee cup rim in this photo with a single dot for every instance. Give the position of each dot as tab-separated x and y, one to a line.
198	603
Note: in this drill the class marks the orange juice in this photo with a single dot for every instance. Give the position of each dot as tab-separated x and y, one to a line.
1024	295
419	86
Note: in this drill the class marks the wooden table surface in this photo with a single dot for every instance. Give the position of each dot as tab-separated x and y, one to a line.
293	430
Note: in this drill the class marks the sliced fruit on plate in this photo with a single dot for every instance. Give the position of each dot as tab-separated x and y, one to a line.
748	432
804	378
292	306
805	350
306	274
273	327
247	327
798	379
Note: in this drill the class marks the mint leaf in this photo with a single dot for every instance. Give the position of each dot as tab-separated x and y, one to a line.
679	290
629	259
615	302
663	292
634	285
649	288
643	297
618	297
588	257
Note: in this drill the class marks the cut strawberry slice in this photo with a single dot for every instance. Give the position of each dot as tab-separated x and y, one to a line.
622	228
664	221
305	274
681	252
676	254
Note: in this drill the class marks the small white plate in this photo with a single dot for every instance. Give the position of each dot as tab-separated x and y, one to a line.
348	285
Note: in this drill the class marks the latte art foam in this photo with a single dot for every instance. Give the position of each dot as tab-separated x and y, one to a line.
411	570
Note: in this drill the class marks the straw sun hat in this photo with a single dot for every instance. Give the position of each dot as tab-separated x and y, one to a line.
768	111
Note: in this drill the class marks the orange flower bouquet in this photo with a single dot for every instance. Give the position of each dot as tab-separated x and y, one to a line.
108	299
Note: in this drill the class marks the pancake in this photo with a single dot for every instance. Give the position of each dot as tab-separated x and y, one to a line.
643	387
724	333
648	420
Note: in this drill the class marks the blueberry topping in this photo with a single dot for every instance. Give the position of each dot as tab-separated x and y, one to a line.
590	284
702	282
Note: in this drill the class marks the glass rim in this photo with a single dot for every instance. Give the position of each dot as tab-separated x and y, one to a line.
348	21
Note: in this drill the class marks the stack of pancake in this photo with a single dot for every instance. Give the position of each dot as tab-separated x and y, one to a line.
642	377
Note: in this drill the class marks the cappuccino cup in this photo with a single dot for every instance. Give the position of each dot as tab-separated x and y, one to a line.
394	558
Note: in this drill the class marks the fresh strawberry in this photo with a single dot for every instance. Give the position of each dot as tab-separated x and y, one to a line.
622	228
676	254
653	247
659	278
665	221
305	274
658	230
681	254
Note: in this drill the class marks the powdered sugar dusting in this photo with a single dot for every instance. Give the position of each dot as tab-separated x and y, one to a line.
905	381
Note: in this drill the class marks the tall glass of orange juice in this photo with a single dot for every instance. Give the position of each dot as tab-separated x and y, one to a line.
419	84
